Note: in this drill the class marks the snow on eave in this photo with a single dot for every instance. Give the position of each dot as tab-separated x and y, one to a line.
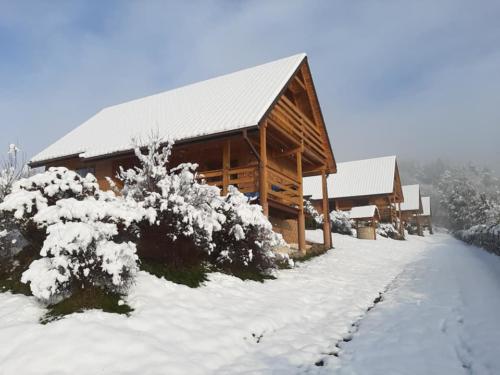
228	103
363	212
412	198
359	178
366	177
426	206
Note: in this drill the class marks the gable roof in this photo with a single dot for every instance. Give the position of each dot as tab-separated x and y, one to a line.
363	212
412	200
227	103
356	178
426	206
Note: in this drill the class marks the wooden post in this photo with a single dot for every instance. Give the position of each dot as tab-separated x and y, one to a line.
263	183
301	219
226	165
374	226
419	226
327	233
401	227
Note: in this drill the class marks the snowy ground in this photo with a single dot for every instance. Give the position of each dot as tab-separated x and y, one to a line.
437	316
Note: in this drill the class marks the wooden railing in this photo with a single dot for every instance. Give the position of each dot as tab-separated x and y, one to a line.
283	188
245	178
294	122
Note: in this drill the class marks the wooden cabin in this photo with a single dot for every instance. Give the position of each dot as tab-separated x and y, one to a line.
362	183
411	208
426	217
260	129
365	219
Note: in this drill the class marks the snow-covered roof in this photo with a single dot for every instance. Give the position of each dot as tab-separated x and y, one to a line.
411	194
426	206
363	212
230	102
355	179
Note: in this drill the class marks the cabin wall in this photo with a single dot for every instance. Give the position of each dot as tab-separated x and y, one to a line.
287	227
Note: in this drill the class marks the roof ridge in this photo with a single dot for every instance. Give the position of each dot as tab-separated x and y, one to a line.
185	86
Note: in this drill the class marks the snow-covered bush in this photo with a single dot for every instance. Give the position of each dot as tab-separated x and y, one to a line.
388	231
246	239
193	223
314	219
80	234
485	236
341	222
33	194
78	255
184	209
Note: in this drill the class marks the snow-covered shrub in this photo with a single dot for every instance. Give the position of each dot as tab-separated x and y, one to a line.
485	236
80	234
184	209
341	222
33	194
314	219
388	231
246	239
78	255
193	223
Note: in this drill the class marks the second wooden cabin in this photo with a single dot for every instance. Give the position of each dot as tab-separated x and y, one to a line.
362	183
411	209
426	217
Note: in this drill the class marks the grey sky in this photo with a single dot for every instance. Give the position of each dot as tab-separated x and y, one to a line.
420	79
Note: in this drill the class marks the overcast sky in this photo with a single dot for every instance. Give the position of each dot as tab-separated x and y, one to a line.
420	79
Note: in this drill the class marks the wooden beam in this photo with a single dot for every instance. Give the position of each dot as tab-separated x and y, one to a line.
226	165
327	233
263	184
301	218
250	144
288	153
401	226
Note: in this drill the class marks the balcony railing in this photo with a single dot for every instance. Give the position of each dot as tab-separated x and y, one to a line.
281	188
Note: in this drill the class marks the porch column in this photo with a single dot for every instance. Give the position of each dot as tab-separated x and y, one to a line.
263	184
401	227
300	218
419	225
327	233
226	164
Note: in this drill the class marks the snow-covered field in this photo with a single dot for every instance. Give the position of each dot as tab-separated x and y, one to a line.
438	316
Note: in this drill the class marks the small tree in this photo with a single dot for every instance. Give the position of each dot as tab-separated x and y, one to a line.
12	168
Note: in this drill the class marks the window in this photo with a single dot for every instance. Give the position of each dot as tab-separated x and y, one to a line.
83	172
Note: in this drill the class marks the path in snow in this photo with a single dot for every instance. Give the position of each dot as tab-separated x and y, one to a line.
440	316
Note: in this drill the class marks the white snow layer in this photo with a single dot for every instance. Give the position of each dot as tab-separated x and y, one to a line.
229	102
432	320
363	212
412	198
356	178
426	206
